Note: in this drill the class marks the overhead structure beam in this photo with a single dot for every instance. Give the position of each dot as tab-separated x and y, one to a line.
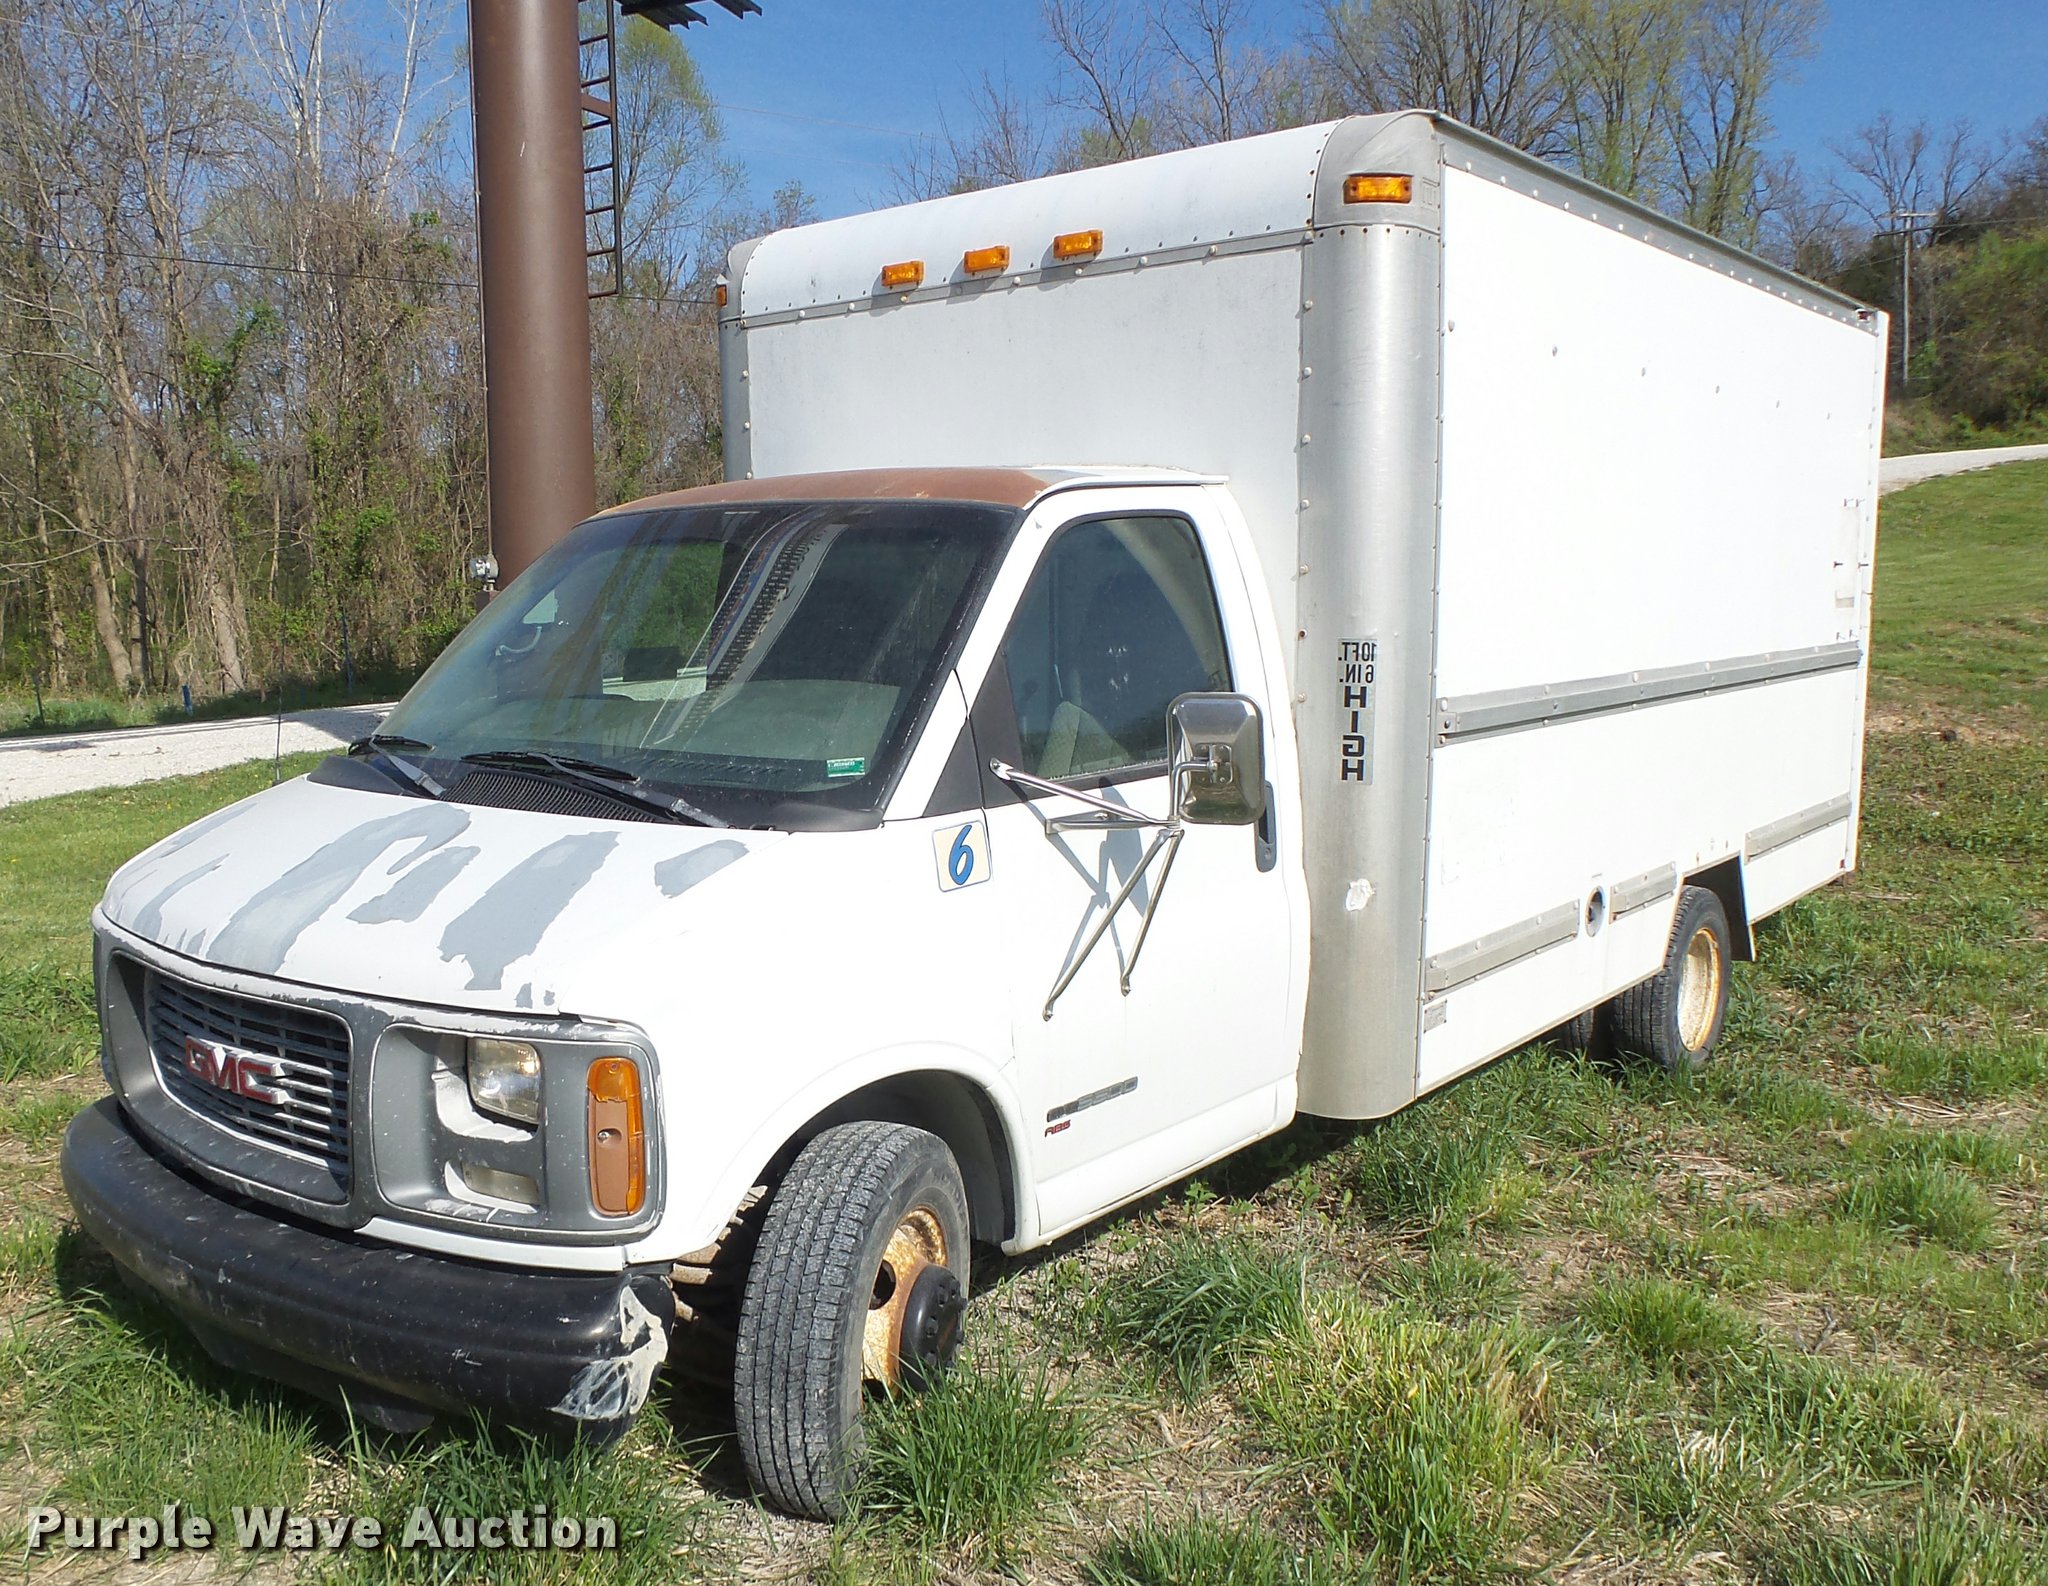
526	91
679	14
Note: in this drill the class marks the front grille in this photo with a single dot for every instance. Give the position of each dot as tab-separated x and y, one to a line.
313	1048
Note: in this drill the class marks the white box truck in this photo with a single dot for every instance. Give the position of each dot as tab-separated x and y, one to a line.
1260	630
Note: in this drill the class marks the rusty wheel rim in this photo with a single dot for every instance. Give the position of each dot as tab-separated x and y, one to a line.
1699	989
918	1242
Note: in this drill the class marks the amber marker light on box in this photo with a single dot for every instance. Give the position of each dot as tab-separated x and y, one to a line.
618	1138
1069	246
719	292
985	261
902	277
1368	188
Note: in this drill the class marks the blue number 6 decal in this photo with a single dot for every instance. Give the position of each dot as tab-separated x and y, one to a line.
962	855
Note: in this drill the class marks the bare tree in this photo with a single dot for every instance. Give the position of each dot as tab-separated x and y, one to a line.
674	179
1740	51
1109	64
1620	64
1803	224
1218	80
1007	141
1890	169
1490	63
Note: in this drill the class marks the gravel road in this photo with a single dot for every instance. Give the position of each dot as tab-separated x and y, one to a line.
1895	473
42	767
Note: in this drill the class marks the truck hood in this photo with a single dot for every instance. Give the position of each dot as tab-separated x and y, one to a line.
419	901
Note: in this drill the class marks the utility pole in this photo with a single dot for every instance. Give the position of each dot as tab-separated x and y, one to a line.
528	103
525	90
1906	290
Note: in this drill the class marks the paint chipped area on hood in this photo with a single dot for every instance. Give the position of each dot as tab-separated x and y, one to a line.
416	900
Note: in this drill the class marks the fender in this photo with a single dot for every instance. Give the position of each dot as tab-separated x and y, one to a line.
701	1227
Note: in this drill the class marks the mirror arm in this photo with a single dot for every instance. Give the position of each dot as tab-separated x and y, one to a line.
1107	816
1169	839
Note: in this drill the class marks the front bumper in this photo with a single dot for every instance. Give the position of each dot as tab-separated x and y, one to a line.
403	1334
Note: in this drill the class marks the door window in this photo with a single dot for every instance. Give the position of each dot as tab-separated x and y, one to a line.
1119	620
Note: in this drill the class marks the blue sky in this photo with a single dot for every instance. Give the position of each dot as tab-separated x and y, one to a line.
832	92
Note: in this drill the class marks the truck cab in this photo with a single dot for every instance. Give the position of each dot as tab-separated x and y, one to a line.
746	817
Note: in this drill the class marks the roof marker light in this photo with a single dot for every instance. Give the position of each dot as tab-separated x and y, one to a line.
1378	188
903	277
1069	246
985	261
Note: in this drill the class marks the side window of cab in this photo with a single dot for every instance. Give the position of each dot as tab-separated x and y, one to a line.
1119	620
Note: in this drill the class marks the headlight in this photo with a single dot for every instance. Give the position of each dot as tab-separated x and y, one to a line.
504	1078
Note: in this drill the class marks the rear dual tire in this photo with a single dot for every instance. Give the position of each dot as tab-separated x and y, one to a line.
1675	1017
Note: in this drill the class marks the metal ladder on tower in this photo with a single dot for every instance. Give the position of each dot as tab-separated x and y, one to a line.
603	212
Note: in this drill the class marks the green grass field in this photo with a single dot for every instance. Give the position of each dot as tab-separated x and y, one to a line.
1786	1321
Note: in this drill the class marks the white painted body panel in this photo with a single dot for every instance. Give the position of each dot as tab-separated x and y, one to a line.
1525	821
1646	463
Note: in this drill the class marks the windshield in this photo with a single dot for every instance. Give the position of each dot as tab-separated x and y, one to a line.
743	656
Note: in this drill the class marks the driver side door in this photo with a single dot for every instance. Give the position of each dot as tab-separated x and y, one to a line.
1138	1071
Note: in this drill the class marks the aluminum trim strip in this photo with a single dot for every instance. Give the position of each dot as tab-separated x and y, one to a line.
1497	949
1768	839
1625	897
1509	709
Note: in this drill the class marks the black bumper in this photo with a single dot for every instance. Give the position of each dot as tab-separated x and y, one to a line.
405	1335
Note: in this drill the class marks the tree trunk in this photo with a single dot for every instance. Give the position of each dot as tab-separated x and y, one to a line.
107	624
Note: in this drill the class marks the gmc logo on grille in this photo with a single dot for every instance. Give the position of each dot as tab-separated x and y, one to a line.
233	1070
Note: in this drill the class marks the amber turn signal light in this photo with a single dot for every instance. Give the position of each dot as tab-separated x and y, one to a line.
1071	245
617	1138
902	277
1366	188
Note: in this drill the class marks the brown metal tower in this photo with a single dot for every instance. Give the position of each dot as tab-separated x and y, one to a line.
530	103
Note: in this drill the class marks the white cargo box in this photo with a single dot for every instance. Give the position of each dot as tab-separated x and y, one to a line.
1571	511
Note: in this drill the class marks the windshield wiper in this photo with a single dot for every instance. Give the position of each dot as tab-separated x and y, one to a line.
608	779
382	743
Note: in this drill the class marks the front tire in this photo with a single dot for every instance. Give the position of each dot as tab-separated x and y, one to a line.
1675	1017
859	1278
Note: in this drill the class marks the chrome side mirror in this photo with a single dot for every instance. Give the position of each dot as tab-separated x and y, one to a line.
1218	758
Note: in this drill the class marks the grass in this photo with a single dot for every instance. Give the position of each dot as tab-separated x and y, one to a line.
1922	1200
1195	1306
1941	1546
968	1466
1200	1550
1413	1444
22	716
1783	1321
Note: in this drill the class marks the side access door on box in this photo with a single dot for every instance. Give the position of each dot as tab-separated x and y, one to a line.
1135	1067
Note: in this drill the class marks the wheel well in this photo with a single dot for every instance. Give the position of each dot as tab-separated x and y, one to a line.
1724	880
960	1113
